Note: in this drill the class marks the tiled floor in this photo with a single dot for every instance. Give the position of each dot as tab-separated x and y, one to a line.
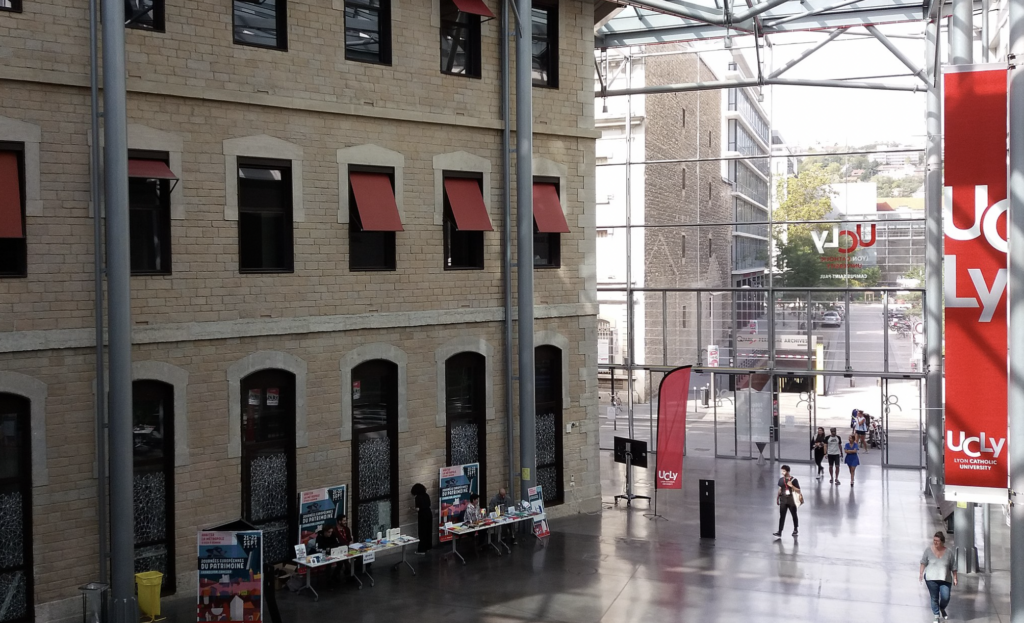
856	560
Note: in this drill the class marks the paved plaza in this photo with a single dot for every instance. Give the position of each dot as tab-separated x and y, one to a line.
856	559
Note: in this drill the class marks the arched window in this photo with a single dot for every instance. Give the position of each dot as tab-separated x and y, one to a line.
15	510
268	460
465	410
153	426
374	447
548	381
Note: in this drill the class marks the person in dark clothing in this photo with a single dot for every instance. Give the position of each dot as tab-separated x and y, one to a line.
786	498
818	443
424	519
327	539
344	532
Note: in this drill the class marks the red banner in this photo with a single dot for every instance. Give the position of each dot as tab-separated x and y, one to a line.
672	394
974	224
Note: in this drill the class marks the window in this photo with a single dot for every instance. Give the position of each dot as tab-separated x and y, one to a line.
545	46
16	571
268	460
465	408
682	248
460	39
153	479
10	5
13	248
549	223
264	217
149	214
144	14
368	31
548	378
261	23
465	220
373	219
374	447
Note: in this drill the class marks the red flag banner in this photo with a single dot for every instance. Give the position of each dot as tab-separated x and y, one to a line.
974	283
672	394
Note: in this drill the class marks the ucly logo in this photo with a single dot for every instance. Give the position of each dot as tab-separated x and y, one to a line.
856	239
985	220
983	444
668	476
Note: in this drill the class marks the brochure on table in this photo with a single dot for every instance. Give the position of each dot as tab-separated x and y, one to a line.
317	506
230	575
456	484
540	526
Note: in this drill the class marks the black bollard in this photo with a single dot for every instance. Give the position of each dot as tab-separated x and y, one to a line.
707	509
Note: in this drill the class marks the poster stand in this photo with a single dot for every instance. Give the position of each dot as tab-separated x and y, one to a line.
655	514
230	586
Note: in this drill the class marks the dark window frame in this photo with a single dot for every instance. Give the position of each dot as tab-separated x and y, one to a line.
357	238
21	407
476	364
14	8
452	235
551	38
468	25
280	27
387	372
553	241
552	402
158	390
152	20
287	232
16	246
162	216
383	11
286	383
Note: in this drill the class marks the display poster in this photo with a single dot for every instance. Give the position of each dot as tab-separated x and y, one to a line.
672	403
456	483
974	281
540	526
254	397
230	576
317	506
273	397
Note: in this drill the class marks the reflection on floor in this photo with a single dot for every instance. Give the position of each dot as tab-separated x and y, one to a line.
856	560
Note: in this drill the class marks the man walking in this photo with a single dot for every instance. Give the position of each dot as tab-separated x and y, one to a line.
834	451
788	499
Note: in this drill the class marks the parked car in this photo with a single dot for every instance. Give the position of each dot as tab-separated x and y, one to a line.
831	319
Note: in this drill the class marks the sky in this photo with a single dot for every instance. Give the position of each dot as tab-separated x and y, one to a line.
809	116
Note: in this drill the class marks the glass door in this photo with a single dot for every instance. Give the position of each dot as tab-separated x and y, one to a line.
797	417
901	434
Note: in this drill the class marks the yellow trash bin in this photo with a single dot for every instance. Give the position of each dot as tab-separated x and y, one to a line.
148	584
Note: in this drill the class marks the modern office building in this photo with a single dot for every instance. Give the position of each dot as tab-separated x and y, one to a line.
316	203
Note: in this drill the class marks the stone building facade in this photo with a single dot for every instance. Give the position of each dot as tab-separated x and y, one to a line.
305	372
684	126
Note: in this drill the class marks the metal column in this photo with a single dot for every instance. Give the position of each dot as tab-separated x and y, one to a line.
933	263
122	558
1015	232
961	50
506	234
524	248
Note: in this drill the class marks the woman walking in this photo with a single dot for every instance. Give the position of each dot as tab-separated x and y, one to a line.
852	460
818	444
424	519
938	571
788	499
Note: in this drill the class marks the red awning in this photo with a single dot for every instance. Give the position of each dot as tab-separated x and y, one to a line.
467	204
375	201
547	211
474	7
150	170
10	197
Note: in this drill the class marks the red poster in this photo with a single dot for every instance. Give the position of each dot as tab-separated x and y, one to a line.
974	283
672	393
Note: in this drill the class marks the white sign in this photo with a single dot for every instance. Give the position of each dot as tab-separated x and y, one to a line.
603	349
369	556
713	355
782	342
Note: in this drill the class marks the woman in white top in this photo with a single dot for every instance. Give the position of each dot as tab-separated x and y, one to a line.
938	571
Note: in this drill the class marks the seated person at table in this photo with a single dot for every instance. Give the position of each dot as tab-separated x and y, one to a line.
472	514
327	539
344	532
501	498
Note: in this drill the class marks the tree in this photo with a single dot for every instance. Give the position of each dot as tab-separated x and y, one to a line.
806	197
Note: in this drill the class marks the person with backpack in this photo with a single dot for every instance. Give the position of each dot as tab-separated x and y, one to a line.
834	451
788	498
